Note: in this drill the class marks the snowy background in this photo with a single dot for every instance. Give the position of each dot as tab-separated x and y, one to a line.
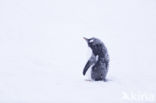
42	53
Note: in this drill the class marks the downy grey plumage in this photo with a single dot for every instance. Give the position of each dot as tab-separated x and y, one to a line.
99	60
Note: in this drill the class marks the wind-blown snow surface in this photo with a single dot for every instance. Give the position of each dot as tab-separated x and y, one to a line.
42	53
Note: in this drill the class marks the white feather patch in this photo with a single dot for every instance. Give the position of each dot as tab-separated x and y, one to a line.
91	40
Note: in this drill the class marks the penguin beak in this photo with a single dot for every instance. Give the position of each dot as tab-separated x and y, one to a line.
85	39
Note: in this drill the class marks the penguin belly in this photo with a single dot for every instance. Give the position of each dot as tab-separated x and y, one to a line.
99	72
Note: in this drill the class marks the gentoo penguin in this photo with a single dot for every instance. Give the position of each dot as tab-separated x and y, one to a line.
99	59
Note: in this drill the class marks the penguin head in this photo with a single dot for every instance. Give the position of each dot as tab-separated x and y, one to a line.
95	44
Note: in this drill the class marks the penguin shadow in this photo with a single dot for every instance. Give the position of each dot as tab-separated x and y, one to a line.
91	80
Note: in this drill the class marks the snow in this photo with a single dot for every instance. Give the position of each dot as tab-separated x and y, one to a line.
43	51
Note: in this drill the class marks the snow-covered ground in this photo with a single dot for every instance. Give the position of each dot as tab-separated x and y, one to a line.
42	53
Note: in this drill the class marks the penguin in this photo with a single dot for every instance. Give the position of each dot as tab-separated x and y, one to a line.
99	59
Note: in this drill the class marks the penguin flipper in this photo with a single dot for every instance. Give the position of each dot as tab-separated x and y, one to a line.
91	61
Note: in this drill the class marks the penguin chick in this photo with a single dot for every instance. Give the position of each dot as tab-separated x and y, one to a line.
99	59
